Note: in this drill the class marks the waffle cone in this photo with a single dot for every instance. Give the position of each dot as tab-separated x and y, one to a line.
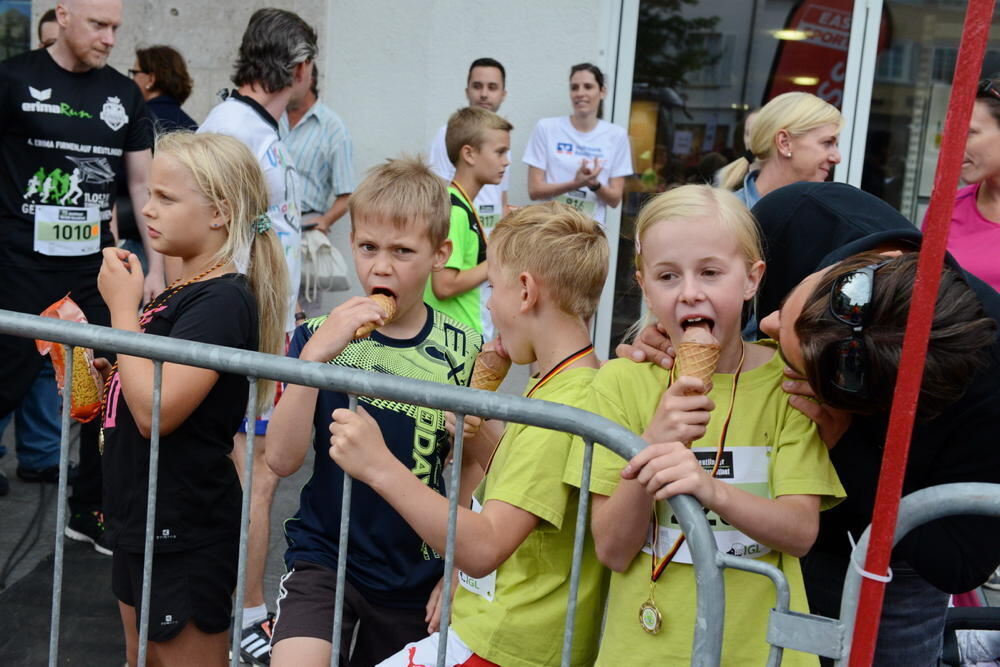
698	360
489	371
388	305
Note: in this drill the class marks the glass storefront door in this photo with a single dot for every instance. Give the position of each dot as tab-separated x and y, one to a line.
700	67
910	97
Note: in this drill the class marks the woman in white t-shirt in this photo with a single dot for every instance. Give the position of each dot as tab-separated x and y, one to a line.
580	159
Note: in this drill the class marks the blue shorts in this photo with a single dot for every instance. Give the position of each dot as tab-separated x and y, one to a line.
260	426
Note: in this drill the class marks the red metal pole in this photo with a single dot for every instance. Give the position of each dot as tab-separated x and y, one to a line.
936	225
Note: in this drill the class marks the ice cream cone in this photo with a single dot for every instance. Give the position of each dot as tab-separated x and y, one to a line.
698	355
489	371
388	305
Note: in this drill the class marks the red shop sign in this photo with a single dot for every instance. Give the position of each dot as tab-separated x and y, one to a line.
815	59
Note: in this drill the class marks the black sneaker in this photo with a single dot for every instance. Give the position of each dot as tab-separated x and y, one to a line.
88	526
48	475
255	647
4	484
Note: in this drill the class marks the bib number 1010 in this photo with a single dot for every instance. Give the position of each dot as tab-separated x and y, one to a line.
74	232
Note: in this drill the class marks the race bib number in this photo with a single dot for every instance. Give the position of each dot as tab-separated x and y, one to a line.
578	200
482	586
488	217
67	231
745	467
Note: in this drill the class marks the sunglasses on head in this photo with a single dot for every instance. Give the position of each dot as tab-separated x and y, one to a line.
850	299
987	89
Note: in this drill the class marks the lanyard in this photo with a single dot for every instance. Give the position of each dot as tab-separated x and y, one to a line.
656	569
472	206
558	368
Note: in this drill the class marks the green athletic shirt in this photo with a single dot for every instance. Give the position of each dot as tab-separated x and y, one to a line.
771	450
522	626
468	251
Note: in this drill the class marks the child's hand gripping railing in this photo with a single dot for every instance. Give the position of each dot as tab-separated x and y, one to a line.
707	643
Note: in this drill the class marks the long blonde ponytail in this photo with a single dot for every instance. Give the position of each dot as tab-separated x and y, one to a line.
228	175
796	113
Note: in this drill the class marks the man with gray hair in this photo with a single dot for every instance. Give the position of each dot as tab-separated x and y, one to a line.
275	58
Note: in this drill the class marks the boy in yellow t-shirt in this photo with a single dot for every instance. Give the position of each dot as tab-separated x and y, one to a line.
547	265
478	143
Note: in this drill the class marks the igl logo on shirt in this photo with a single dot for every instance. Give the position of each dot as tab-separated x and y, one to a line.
41	105
564	148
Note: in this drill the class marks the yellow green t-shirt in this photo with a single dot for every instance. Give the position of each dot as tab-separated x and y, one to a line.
522	625
771	450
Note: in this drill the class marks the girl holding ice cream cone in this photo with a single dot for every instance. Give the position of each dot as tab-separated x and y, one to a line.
729	438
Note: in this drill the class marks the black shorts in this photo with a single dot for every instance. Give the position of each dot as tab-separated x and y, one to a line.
187	586
305	609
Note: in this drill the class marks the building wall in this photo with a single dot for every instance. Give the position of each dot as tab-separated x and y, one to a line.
393	70
397	70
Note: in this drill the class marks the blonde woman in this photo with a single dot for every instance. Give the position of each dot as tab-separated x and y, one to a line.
793	138
207	207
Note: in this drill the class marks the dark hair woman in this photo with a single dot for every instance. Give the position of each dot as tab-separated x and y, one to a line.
162	76
580	159
843	329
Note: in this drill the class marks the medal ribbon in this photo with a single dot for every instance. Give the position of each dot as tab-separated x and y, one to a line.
560	367
556	370
656	569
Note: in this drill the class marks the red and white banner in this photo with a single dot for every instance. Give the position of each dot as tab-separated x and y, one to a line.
814	60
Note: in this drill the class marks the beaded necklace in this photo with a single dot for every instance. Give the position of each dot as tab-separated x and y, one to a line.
160	300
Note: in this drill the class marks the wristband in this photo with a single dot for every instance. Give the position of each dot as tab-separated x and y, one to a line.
594	188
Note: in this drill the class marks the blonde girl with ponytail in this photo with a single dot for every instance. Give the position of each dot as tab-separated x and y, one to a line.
793	138
207	208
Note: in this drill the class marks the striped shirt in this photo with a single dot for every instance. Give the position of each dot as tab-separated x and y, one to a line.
321	148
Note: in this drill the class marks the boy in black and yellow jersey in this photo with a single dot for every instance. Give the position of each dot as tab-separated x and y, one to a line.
399	217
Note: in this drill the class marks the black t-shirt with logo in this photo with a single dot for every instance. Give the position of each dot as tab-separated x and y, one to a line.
63	136
198	492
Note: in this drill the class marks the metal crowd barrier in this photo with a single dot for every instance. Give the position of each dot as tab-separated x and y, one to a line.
787	629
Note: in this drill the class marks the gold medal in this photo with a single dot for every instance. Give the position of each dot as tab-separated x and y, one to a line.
650	617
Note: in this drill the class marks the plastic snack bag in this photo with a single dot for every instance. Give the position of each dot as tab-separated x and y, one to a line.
85	396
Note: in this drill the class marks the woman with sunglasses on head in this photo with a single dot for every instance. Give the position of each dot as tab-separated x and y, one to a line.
793	138
975	220
808	227
842	328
